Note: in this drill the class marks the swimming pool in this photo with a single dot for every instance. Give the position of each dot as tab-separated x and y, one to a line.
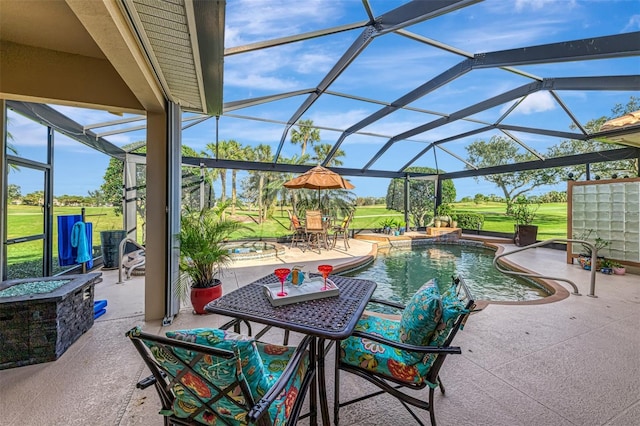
400	272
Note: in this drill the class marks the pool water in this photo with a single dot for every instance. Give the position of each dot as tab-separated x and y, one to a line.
399	273
252	249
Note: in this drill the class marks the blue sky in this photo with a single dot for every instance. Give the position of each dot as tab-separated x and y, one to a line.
395	64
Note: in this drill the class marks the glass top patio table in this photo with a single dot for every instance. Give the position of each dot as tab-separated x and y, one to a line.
332	318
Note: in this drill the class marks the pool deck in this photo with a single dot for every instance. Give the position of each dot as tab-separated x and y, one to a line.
575	361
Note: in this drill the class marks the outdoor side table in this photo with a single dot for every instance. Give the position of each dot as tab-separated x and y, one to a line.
332	318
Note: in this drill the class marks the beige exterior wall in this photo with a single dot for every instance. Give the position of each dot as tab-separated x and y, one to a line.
156	266
3	174
46	76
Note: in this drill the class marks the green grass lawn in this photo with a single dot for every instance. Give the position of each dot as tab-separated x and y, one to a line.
366	217
27	220
551	218
24	221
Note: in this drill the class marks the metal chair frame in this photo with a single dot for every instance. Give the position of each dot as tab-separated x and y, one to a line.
342	229
316	230
394	387
299	231
257	411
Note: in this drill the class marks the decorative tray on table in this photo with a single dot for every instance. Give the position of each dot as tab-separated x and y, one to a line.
311	289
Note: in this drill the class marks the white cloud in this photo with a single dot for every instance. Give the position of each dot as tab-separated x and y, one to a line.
536	102
249	21
339	120
255	80
524	5
633	24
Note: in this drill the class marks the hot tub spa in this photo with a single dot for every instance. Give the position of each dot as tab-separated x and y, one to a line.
242	250
41	317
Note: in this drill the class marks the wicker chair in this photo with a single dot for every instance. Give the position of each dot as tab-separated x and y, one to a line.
213	376
406	355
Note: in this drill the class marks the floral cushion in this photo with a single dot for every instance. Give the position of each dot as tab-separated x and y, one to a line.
378	357
262	364
426	321
452	307
188	387
252	366
421	316
275	359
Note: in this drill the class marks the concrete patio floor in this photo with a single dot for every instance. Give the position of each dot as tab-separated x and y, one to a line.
571	362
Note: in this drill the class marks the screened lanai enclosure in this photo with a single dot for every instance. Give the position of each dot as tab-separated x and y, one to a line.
374	90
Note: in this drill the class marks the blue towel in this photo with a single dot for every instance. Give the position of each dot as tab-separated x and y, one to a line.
89	233
67	253
79	241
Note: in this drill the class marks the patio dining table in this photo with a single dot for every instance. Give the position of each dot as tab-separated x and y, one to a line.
332	318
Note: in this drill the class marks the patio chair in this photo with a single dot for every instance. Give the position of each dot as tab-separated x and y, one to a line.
315	229
342	230
299	231
398	356
214	376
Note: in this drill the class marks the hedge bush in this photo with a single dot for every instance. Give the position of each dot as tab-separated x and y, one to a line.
470	220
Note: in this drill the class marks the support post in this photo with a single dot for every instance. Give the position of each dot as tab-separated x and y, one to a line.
406	201
3	189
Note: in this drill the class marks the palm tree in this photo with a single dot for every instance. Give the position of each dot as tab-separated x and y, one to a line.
11	147
234	151
225	150
305	135
288	176
262	153
322	151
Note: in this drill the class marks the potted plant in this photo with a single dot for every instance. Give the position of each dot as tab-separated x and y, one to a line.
606	266
203	255
524	212
454	220
443	214
387	224
618	268
586	254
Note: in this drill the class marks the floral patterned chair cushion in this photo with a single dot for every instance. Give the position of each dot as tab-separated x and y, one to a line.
252	367
421	316
275	359
188	387
422	324
261	364
380	358
452	307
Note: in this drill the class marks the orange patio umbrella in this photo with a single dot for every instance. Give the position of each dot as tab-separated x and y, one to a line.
319	178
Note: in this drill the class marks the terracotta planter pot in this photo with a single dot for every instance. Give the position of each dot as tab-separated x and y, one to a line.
201	296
